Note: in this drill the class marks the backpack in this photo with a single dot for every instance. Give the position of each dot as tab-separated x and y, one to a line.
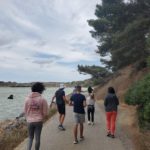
59	97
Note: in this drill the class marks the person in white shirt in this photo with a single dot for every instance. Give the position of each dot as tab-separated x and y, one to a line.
90	108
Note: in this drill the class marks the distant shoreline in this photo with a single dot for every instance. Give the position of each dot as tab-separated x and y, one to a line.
47	84
15	84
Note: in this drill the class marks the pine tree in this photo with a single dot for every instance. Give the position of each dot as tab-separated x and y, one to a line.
121	29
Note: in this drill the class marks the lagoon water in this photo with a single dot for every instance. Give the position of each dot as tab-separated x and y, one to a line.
10	108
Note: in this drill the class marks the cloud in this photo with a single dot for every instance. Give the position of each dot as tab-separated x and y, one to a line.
47	37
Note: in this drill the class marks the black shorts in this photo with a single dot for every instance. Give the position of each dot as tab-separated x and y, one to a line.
61	109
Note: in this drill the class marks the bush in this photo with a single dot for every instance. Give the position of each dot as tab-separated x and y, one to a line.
139	94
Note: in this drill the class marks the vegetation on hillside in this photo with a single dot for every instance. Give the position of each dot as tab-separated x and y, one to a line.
122	31
97	73
139	94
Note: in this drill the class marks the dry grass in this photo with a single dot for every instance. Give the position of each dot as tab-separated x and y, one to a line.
129	122
12	139
9	140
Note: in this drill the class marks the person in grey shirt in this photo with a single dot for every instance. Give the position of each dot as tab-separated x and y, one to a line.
111	103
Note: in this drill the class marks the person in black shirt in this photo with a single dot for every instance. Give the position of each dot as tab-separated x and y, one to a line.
60	102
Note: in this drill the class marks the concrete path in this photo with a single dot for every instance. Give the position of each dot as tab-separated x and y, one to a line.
95	136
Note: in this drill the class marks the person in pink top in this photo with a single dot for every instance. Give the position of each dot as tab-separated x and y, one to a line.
35	110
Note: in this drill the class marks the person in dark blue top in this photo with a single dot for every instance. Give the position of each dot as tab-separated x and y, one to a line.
78	101
60	101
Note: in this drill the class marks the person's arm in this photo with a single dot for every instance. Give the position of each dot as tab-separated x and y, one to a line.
45	108
105	102
84	102
20	115
25	107
52	101
71	101
65	99
117	101
24	111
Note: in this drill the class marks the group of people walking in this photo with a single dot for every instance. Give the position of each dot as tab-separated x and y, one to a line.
36	109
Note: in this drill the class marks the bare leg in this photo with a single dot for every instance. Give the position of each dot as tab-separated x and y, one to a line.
75	132
62	118
81	129
59	118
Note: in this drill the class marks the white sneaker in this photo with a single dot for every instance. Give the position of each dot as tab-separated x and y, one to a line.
75	142
89	122
92	123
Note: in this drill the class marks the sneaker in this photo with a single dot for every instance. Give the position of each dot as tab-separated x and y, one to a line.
81	138
92	123
61	127
89	122
112	136
108	134
75	142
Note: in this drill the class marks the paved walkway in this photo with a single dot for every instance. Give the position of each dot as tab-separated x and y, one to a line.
95	136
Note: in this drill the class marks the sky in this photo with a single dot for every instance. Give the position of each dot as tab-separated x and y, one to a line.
45	40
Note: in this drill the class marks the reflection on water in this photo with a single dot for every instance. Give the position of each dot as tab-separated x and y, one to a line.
10	108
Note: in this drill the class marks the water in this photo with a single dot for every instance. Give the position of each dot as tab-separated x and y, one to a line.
10	108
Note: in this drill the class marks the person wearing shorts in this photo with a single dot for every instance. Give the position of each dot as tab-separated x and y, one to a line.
78	101
60	101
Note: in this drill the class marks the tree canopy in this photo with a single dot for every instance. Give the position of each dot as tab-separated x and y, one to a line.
94	71
97	73
122	30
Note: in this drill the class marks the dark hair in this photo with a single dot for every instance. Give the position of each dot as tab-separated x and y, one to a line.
111	90
78	88
90	90
38	87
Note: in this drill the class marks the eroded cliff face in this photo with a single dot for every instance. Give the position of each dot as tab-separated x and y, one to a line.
121	81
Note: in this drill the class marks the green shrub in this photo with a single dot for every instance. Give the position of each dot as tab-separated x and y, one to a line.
139	94
147	112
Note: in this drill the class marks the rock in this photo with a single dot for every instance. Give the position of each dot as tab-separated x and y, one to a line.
11	97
